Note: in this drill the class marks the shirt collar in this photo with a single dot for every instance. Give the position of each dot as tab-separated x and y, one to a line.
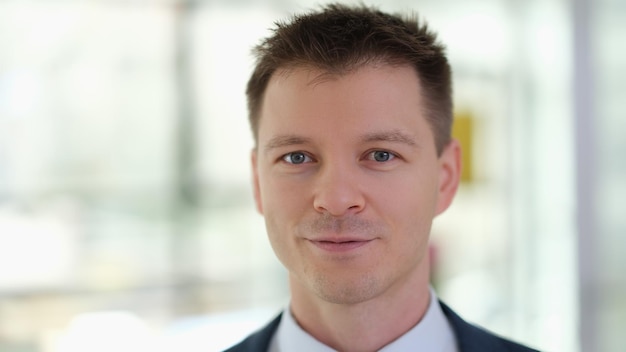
432	333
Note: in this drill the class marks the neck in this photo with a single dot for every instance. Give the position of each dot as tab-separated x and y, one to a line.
364	326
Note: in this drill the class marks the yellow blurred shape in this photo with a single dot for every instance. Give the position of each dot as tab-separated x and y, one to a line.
463	131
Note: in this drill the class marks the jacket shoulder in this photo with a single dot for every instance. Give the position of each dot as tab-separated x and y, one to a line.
472	338
258	341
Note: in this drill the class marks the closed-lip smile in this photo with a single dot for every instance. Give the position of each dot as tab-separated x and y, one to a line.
339	245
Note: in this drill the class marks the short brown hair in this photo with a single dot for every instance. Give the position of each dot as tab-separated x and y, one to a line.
339	39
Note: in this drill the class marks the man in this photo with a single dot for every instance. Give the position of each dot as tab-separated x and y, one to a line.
351	113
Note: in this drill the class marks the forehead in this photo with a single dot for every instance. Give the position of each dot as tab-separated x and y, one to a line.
371	98
311	75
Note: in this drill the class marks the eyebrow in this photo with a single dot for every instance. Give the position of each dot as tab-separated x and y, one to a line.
394	136
285	141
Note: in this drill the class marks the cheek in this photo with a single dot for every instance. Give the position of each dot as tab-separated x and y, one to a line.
413	214
408	194
284	205
274	234
409	206
282	196
278	218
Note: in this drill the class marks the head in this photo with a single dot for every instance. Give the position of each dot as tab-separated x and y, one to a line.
350	110
339	39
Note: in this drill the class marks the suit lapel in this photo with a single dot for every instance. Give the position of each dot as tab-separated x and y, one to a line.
258	341
471	338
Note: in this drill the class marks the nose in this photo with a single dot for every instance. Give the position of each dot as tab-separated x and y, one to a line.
337	191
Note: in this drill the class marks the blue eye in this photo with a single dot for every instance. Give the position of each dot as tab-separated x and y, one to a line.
381	156
296	158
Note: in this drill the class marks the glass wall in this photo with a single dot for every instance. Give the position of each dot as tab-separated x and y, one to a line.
126	215
601	87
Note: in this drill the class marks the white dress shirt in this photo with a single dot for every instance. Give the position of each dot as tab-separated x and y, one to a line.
433	334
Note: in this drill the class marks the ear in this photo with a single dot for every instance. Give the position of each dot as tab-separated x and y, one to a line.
255	181
449	175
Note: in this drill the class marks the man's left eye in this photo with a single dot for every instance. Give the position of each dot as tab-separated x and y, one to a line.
296	158
381	156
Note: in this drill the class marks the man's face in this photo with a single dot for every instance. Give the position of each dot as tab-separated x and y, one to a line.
348	179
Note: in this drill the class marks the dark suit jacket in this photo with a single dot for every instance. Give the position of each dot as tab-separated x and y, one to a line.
469	337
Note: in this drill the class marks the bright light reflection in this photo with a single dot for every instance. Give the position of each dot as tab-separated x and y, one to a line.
106	332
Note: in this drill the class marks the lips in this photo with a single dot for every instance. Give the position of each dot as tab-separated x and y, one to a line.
340	235
340	246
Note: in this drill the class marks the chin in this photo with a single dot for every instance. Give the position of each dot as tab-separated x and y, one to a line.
346	292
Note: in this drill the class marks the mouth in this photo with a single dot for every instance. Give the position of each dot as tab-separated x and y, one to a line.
339	246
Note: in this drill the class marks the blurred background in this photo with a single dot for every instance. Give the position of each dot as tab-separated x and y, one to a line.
126	215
